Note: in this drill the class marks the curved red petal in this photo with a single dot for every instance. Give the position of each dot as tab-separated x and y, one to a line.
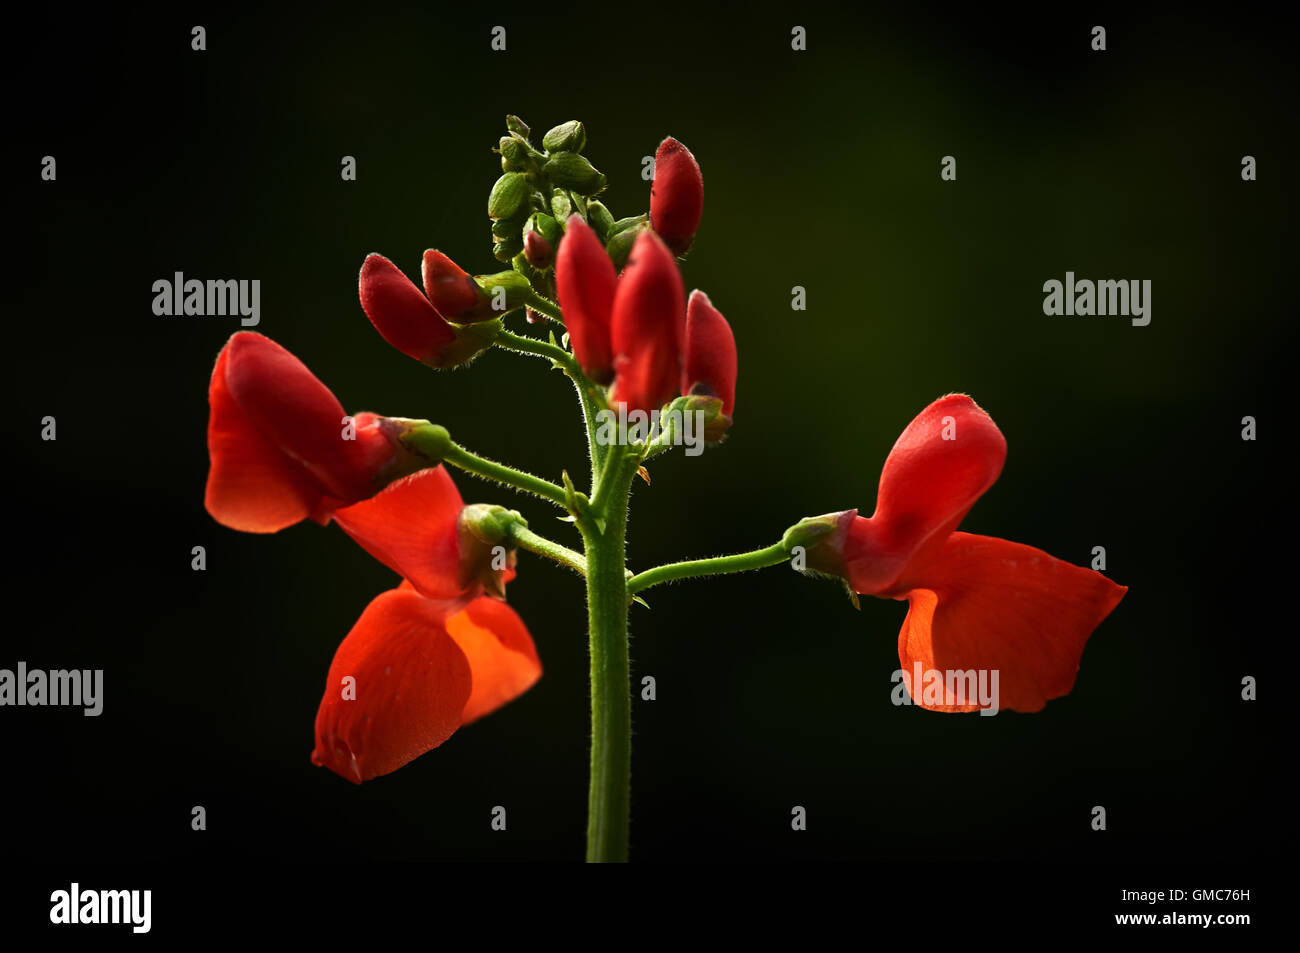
990	604
585	282
676	195
710	363
409	682
502	658
941	464
295	412
400	312
411	527
648	327
449	287
252	485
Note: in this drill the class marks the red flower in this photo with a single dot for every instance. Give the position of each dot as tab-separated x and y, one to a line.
585	282
648	327
281	449
710	365
419	528
976	602
676	195
411	672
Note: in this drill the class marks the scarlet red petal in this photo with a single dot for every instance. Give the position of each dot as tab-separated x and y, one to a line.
987	603
502	658
410	526
400	312
648	327
252	485
452	291
295	412
409	682
676	195
585	281
710	364
941	464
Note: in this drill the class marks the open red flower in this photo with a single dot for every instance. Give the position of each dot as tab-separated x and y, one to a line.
676	195
280	446
411	672
975	602
421	529
648	327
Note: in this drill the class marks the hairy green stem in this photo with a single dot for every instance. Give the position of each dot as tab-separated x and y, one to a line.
741	562
611	699
525	538
458	456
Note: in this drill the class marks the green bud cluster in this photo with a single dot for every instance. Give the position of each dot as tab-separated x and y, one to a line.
539	190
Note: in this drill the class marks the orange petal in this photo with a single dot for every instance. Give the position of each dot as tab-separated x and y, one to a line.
502	658
409	682
410	527
988	604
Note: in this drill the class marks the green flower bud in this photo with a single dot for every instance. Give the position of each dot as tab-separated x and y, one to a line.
546	226
620	246
507	248
623	224
561	206
514	154
509	195
517	126
600	219
571	171
570	136
506	227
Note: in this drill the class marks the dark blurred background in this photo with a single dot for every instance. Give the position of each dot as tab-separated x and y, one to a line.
821	170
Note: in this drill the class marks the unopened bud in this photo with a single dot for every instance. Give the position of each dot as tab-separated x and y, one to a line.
600	219
570	136
620	246
571	171
517	126
514	155
509	195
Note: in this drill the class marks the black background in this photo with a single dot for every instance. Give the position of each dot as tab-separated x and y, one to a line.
821	170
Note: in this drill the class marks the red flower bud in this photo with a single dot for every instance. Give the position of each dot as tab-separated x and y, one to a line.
400	312
537	249
676	195
710	364
280	448
585	282
455	295
648	327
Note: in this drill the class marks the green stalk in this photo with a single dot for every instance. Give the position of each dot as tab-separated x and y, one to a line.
741	562
611	700
458	456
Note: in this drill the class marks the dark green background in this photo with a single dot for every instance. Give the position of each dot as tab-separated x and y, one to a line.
821	170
